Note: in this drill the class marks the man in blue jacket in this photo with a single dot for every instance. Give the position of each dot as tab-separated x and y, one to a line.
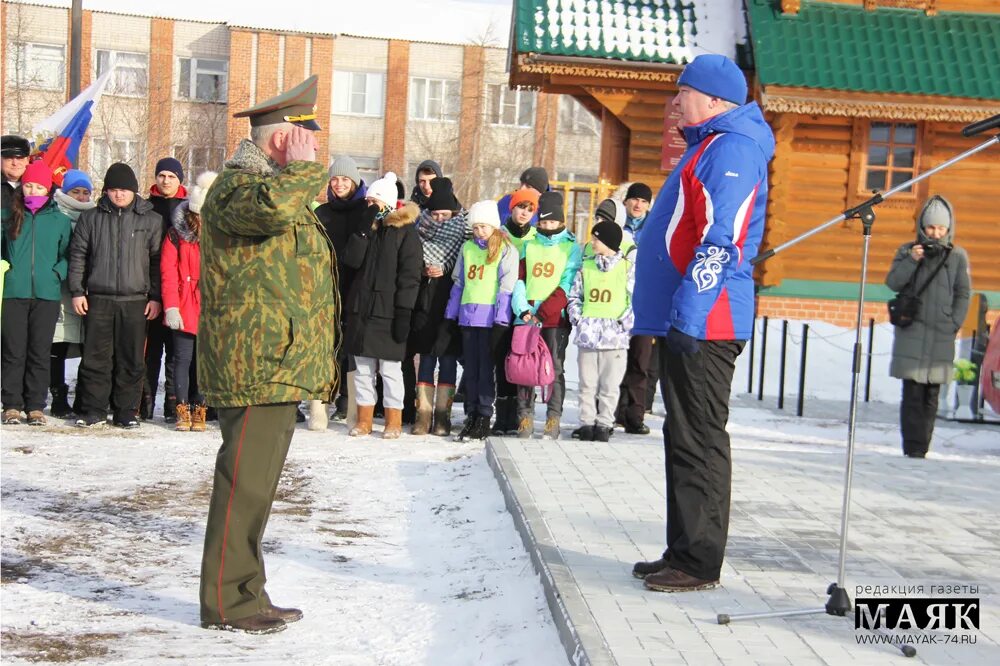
694	290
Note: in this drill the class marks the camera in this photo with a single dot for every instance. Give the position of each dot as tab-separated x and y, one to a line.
932	248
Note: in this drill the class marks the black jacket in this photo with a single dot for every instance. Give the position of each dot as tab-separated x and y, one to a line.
115	252
165	209
388	261
342	219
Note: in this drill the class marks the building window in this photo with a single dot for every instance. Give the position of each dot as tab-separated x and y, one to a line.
198	160
105	152
369	168
131	77
574	118
38	66
514	108
890	156
203	79
358	93
434	99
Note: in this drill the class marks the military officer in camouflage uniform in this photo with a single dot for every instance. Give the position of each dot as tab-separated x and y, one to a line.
266	341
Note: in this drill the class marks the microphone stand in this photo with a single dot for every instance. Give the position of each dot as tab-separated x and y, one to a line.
839	602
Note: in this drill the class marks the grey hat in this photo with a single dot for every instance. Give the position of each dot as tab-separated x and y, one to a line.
936	212
345	166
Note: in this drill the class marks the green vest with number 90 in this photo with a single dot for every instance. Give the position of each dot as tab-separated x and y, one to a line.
481	279
605	293
544	266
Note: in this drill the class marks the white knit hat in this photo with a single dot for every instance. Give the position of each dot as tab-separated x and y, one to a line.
384	189
484	212
200	190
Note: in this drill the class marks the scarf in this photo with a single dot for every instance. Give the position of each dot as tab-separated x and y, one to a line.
442	241
516	230
248	157
70	206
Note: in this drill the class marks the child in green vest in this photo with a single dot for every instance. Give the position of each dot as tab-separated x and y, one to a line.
484	278
549	264
518	228
600	309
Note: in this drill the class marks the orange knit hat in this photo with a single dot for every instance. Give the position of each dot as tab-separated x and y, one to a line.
520	196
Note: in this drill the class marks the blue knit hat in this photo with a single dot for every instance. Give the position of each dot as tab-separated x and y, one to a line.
172	165
715	75
76	178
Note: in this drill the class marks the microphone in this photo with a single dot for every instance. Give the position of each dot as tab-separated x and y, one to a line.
982	126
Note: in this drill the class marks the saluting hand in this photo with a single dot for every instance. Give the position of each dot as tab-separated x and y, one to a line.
300	145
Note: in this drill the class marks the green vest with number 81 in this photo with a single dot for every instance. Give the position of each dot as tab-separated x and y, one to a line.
544	266
482	280
605	293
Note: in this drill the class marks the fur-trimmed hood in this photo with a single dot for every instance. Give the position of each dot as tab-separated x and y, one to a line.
179	223
402	217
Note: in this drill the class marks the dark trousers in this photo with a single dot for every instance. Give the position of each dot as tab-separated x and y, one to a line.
255	443
917	413
186	368
696	447
480	385
653	375
556	339
633	390
112	363
159	342
57	364
504	388
26	329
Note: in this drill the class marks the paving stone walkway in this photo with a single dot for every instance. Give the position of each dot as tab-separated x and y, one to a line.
587	511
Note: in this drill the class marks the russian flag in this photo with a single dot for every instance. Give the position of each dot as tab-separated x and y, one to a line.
59	136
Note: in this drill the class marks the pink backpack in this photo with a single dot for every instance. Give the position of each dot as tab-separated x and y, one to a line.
529	362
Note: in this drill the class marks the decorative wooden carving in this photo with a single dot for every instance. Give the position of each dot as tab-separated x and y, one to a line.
790	6
887	107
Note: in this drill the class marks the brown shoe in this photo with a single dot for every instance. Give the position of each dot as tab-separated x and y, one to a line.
36	417
364	424
393	423
672	580
183	411
11	417
526	427
287	615
199	414
643	569
442	410
255	624
425	409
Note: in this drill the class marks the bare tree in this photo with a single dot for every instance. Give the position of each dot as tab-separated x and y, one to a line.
28	96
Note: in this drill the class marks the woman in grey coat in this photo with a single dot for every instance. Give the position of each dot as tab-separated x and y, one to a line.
922	353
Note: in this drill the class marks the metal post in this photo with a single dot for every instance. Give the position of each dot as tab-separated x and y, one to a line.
753	335
868	368
802	370
763	357
781	371
75	47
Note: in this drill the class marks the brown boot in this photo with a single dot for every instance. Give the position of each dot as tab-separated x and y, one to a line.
442	410
425	408
393	423
183	417
364	424
199	414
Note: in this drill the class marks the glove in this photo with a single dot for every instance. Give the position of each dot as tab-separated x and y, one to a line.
401	325
172	317
680	343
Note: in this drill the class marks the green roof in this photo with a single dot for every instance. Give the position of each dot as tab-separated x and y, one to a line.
844	47
632	30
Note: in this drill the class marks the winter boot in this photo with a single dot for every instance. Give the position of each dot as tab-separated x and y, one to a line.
393	423
169	408
352	404
211	414
199	414
183	417
442	410
364	423
145	406
317	415
425	409
602	433
472	425
300	416
551	428
526	427
503	417
60	404
482	429
340	407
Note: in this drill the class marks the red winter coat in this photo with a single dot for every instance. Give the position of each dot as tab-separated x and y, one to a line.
180	271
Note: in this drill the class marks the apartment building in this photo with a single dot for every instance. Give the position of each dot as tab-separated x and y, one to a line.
388	103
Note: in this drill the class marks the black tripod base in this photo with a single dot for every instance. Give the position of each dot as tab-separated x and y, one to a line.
838	603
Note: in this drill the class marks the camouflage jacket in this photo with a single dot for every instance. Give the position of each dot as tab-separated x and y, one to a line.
269	304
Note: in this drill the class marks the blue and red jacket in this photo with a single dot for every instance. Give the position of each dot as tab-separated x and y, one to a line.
693	268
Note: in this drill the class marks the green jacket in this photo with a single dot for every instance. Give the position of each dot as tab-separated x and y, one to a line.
270	307
39	257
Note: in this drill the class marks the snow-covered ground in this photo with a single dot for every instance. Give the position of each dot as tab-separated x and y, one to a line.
398	552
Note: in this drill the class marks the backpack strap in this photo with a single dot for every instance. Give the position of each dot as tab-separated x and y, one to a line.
937	268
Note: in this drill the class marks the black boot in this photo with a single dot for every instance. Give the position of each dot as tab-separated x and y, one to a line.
60	404
170	408
502	416
482	428
472	425
145	406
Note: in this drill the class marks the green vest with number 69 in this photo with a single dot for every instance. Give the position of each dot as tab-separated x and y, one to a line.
544	266
605	293
482	280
